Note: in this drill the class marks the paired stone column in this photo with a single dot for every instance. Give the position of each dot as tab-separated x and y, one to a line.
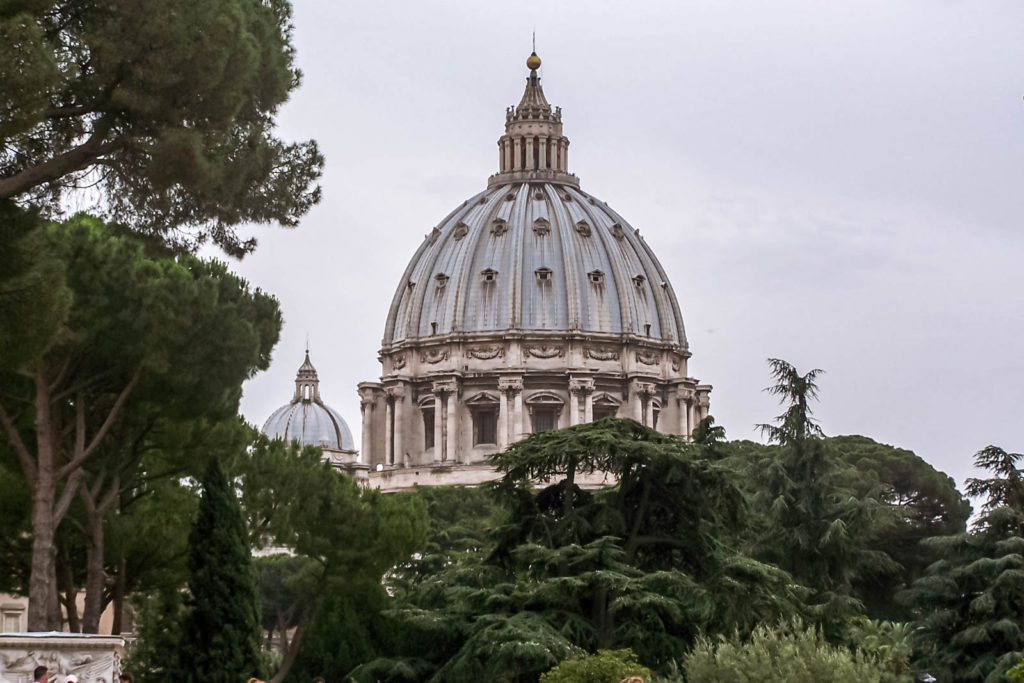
685	398
581	391
512	387
452	440
446	451
438	426
704	402
396	395
502	417
366	412
643	409
389	427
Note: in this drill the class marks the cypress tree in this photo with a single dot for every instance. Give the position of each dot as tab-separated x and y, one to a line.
221	635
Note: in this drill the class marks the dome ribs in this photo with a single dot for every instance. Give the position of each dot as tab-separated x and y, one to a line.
602	302
481	301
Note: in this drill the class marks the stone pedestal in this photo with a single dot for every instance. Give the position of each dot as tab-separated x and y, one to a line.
93	658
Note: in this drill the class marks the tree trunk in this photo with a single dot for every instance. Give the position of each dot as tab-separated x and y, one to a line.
119	590
96	578
66	586
293	650
42	586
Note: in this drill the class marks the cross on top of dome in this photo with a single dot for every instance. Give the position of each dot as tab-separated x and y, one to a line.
307	384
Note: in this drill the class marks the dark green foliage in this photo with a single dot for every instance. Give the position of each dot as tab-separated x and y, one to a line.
607	666
159	619
342	536
221	631
972	599
343	634
640	564
153	346
168	106
33	300
921	502
817	528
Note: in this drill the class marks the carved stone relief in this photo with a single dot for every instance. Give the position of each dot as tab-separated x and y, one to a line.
544	350
602	353
398	360
648	357
433	356
486	352
461	230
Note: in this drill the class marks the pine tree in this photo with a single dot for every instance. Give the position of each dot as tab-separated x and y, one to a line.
819	526
972	600
221	635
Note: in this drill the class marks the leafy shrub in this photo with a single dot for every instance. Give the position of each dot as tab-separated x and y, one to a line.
607	666
787	653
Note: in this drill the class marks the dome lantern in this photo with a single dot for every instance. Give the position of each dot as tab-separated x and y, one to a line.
307	384
533	146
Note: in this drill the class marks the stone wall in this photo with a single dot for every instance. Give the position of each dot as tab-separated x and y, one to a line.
93	658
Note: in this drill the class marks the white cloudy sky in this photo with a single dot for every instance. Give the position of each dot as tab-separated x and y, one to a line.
837	184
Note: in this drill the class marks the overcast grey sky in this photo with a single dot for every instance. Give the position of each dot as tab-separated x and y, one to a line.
837	184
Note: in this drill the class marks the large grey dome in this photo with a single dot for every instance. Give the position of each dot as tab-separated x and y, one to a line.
534	256
533	252
307	419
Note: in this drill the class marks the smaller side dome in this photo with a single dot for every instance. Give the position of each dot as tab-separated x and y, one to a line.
307	419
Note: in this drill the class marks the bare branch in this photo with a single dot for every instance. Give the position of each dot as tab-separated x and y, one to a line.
75	159
27	463
70	488
83	455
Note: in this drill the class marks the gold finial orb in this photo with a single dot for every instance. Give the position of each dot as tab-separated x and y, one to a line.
533	61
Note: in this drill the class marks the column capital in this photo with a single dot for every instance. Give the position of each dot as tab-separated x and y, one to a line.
581	385
397	392
510	384
645	389
704	400
684	395
446	386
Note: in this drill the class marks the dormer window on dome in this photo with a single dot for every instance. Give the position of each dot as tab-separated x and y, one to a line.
583	228
639	281
541	227
499	227
441	279
488	275
596	276
543	274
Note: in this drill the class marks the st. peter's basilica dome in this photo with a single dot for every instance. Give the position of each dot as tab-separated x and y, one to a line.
531	306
